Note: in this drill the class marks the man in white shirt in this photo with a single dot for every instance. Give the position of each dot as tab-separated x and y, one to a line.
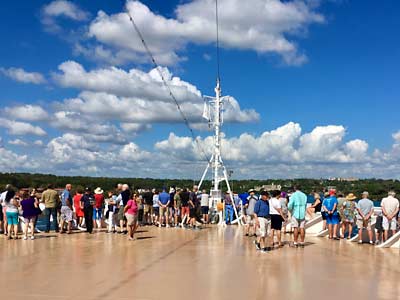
390	208
277	217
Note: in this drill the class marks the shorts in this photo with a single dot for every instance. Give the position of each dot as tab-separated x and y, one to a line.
29	219
265	227
156	211
177	212
276	222
250	219
361	223
1	214
97	213
12	218
131	219
379	224
192	212
297	223
324	215
164	211
332	219
121	216
185	210
204	210
66	214
148	209
389	225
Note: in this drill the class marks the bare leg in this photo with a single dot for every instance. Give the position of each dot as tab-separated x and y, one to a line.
370	234
335	228
302	234
26	229
350	230
296	234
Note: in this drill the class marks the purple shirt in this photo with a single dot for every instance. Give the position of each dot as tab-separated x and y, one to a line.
28	207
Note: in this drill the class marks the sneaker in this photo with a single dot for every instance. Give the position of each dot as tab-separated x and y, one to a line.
167	226
25	238
371	242
257	245
32	238
295	245
360	242
265	250
377	242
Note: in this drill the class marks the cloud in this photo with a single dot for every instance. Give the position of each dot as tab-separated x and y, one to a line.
23	76
284	145
10	161
261	26
18	142
27	113
138	97
21	128
58	9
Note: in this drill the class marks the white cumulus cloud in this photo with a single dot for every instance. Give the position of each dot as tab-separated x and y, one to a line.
21	128
258	25
20	75
27	113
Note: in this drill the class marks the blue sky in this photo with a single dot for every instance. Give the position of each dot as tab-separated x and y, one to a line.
315	87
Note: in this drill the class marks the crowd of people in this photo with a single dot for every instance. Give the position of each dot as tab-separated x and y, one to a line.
266	216
118	211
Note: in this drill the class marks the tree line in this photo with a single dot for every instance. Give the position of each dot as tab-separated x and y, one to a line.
377	188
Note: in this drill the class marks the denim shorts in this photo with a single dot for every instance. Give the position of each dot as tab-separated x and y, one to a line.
97	213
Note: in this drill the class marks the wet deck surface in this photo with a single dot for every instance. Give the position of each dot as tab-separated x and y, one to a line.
182	264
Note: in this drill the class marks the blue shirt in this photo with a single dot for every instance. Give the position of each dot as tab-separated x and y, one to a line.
66	195
330	202
261	209
164	197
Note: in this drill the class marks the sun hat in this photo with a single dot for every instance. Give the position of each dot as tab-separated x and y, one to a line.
98	191
351	197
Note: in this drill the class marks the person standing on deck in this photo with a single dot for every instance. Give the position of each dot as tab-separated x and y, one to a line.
98	208
163	202
330	205
51	201
249	211
297	206
87	204
365	210
263	222
66	209
390	208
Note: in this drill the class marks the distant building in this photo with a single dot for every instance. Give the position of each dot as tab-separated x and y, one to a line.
268	187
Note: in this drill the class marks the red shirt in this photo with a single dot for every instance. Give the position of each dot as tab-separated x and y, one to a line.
99	200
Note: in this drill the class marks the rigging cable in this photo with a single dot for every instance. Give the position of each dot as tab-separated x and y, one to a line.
171	94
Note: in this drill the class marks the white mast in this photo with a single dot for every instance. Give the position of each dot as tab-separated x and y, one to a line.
216	163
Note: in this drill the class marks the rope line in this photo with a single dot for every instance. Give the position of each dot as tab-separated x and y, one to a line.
167	86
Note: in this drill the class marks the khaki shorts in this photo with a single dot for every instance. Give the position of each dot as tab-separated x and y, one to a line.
250	219
148	209
363	224
265	227
131	219
392	225
296	223
164	211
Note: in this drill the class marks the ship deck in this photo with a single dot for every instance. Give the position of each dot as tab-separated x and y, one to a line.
213	263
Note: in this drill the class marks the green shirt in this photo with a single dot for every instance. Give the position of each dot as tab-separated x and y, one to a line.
50	198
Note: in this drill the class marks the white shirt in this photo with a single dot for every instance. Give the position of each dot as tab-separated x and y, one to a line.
273	205
390	204
3	198
204	200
